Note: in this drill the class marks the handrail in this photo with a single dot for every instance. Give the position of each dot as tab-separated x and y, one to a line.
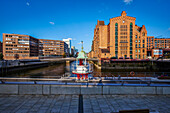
73	82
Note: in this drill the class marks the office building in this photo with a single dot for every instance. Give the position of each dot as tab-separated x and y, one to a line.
158	43
51	47
157	47
23	45
68	42
28	47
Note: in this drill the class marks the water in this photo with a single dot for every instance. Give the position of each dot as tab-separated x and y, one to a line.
56	71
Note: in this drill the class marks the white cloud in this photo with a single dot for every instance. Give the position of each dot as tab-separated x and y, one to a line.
28	3
70	38
52	23
127	1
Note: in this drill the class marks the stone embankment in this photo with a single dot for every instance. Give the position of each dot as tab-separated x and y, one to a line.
45	89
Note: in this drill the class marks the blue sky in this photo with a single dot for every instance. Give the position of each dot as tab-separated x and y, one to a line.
76	19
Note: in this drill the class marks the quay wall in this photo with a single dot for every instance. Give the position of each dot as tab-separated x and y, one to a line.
30	89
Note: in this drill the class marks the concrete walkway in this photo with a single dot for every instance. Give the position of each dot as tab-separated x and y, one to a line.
91	103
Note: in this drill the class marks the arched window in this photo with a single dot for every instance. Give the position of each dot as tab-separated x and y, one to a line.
131	35
143	34
136	36
116	39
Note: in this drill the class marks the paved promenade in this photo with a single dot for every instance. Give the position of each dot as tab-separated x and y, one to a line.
90	103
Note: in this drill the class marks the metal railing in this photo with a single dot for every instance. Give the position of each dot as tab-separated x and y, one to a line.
99	81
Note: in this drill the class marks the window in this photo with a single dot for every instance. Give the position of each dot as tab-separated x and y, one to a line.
136	50
143	45
136	46
139	45
130	44
143	41
136	41
131	35
116	38
143	50
136	36
139	50
139	41
143	34
139	56
131	57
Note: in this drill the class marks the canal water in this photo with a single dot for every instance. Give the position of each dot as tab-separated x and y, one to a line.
59	70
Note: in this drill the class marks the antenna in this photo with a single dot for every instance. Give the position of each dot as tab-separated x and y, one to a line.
82	46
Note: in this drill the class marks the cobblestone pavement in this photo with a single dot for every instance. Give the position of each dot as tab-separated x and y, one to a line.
91	103
114	103
40	104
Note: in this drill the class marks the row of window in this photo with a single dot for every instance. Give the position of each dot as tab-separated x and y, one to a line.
14	36
16	51
138	51
22	55
139	41
140	46
17	48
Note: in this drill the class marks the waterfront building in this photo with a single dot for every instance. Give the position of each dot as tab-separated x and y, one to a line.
162	43
28	47
23	45
68	42
159	43
121	38
157	47
150	42
1	47
51	47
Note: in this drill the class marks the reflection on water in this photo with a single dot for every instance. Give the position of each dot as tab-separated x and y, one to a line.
56	71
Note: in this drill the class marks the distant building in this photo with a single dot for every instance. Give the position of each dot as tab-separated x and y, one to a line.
73	50
1	47
157	47
150	42
28	47
159	43
66	50
51	47
23	45
120	38
68	42
76	51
